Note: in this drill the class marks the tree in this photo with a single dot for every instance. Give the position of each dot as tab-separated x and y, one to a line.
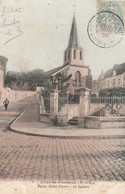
9	79
35	78
4	60
25	80
112	92
61	82
21	80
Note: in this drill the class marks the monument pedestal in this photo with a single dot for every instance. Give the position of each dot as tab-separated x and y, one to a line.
83	106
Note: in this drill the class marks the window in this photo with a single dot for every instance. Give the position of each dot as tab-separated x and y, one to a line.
78	78
74	54
80	55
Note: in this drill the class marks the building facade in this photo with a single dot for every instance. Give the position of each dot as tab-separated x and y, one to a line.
113	78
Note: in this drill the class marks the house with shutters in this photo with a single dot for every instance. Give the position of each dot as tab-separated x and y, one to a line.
112	78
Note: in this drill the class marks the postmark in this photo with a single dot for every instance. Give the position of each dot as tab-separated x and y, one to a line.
110	34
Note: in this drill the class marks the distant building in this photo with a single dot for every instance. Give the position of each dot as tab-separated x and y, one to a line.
113	78
74	63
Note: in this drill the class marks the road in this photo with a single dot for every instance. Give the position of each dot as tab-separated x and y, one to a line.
24	157
38	158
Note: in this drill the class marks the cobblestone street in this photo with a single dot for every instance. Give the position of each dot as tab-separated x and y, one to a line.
29	157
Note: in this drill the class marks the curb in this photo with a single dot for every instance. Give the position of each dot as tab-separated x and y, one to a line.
58	136
69	137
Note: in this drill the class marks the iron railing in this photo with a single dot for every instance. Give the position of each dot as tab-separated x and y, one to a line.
108	100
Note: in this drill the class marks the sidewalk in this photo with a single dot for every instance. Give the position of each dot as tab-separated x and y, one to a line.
28	124
47	130
14	110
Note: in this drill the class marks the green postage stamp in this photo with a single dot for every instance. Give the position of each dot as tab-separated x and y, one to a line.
110	18
106	28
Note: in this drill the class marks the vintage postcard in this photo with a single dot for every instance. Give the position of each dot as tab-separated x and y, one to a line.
62	96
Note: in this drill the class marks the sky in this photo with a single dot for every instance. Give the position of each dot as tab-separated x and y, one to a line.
35	33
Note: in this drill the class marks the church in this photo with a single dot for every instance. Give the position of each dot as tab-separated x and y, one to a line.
74	63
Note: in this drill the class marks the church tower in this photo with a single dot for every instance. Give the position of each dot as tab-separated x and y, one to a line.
74	54
74	63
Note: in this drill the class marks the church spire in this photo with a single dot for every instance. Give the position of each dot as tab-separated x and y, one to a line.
74	54
73	40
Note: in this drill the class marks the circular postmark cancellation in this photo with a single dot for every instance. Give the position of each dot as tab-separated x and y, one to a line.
105	29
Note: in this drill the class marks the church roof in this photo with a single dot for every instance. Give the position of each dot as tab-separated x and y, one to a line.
52	71
120	69
73	40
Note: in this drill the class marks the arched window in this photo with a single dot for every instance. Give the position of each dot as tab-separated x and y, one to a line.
80	55
69	55
78	78
74	54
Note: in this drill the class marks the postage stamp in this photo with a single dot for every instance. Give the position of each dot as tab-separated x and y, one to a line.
110	16
106	28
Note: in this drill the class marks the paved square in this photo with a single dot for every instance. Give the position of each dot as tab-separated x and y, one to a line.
29	157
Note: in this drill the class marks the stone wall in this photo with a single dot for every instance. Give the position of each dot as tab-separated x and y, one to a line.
61	120
92	122
14	95
57	120
71	110
45	118
26	115
93	107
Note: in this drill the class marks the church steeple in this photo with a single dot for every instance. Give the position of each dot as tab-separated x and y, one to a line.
74	53
73	40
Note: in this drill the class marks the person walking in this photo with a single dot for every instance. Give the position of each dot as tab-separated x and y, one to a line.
6	102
